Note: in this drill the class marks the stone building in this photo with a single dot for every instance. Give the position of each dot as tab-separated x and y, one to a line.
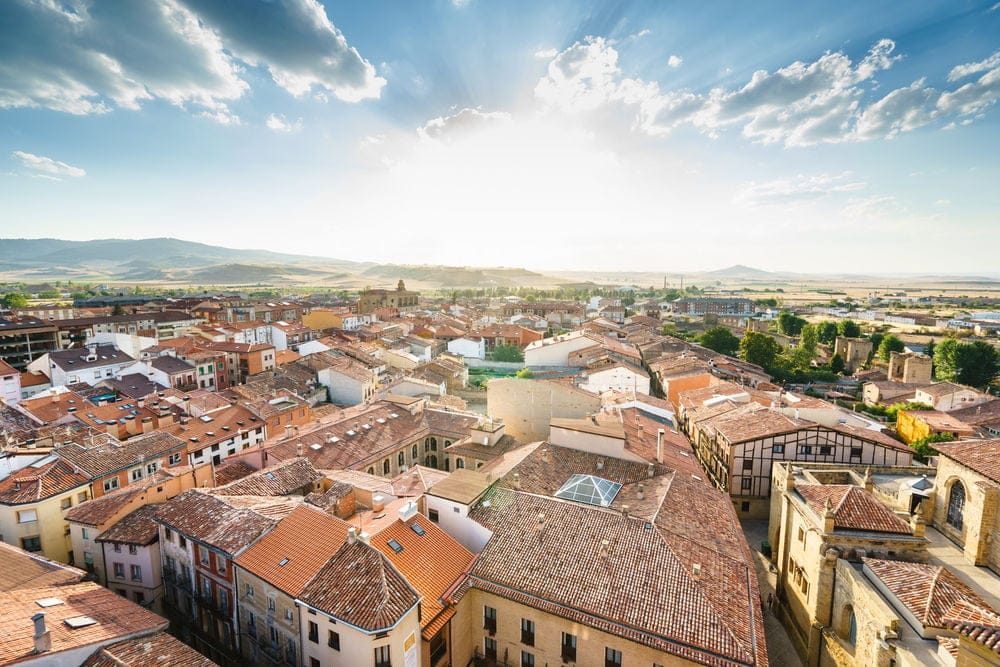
967	499
854	351
909	367
399	299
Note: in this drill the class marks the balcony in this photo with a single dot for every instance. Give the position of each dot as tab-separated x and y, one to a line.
481	660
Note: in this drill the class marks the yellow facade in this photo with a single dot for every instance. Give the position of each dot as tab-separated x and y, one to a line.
48	525
910	427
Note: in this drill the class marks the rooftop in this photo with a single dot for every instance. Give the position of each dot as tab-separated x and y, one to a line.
982	456
853	507
160	649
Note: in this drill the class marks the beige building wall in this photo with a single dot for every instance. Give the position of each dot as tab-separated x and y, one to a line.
547	645
48	524
283	616
979	535
527	406
357	648
872	615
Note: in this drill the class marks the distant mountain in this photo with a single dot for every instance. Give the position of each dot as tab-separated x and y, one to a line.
740	271
145	253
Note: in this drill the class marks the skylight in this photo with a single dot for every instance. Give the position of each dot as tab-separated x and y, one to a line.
396	546
283	563
80	622
590	490
417	528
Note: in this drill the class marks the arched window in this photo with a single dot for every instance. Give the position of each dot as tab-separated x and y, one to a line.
385	467
413	452
431	461
852	629
434	444
459	463
447	443
402	459
848	625
371	471
956	505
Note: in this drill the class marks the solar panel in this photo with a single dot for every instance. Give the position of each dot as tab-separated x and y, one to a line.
590	490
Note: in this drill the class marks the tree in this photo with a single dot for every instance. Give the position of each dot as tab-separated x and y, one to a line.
975	364
789	324
758	348
837	364
524	374
806	350
889	344
876	339
848	329
507	353
721	340
929	348
13	300
827	332
118	310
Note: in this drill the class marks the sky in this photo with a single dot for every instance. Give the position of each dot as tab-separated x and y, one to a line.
654	136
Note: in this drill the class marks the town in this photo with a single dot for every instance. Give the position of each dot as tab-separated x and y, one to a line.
639	476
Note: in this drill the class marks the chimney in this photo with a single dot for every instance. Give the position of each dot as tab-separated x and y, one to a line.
659	444
545	454
378	503
604	548
642	491
625	511
407	511
517	481
352	535
541	520
869	485
650	470
43	640
918	526
288	431
298	449
696	568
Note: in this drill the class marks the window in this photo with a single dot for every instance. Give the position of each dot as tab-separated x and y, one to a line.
133	549
221	562
855	452
490	619
459	463
168	535
66	503
119	570
273	632
333	640
777	449
290	653
568	647
289	614
748	464
249	591
82	497
385	467
527	659
433	515
151	468
270	604
171	564
490	648
745	506
110	484
956	505
413	452
612	657
802	535
27	516
746	484
313	633
33	543
382	657
117	548
182	541
401	459
85	533
174	459
527	632
251	625
135	474
825	450
314	662
140	597
805	449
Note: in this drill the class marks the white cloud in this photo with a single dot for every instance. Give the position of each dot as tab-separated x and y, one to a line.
221	115
795	190
463	122
546	54
874	208
961	71
460	4
87	58
45	167
674	61
279	123
801	104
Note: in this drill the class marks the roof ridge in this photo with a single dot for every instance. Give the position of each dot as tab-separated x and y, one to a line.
935	580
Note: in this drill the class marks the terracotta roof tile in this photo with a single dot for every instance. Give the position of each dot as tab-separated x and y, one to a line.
931	592
982	456
213	521
21	569
110	456
359	585
294	551
160	649
284	478
433	562
31	484
853	508
136	527
115	618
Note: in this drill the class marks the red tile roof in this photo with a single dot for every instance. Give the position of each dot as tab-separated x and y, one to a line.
31	484
213	521
304	541
854	508
982	456
160	649
360	586
21	569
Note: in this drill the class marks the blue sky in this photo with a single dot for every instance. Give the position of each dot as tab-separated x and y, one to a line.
858	137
